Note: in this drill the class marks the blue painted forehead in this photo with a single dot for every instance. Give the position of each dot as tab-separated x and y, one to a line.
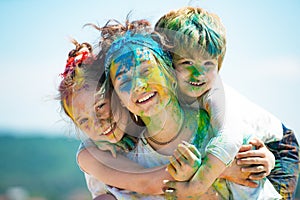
131	42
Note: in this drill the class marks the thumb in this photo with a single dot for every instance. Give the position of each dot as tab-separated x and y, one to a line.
257	143
113	151
247	182
168	185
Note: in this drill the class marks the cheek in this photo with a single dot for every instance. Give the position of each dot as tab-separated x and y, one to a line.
213	74
106	109
124	98
85	129
126	88
183	73
180	78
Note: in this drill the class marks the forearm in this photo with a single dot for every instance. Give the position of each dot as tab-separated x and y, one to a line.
122	172
209	171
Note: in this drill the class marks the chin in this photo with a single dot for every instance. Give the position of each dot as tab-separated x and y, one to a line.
117	138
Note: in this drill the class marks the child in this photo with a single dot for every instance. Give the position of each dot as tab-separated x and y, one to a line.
198	47
78	96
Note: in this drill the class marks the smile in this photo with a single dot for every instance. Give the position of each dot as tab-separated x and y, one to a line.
110	129
196	83
146	98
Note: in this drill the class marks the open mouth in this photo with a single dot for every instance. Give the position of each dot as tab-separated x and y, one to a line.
110	129
196	83
146	98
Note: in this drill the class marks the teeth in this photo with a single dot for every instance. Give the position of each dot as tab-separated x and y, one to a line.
108	130
195	83
146	97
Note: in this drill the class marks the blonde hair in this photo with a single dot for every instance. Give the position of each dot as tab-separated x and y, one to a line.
194	27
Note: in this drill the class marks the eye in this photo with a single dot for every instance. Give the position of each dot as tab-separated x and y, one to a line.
82	121
187	62
124	82
99	107
145	71
209	63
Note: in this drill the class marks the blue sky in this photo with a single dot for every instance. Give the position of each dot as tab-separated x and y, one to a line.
262	59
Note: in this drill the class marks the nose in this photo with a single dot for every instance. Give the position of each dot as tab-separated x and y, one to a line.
198	71
99	124
140	85
103	111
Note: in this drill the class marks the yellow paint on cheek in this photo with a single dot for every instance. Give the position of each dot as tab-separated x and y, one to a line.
113	70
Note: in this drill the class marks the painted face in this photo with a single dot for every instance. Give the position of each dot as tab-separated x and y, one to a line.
93	116
140	83
195	73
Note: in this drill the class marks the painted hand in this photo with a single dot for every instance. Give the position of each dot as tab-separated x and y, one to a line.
234	174
107	146
126	144
258	162
184	162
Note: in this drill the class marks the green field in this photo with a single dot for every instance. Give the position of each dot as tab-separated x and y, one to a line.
44	166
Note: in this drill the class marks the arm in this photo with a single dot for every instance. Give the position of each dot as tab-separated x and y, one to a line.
199	184
122	172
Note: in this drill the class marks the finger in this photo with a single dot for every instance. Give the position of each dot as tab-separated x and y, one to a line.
111	149
171	170
192	148
189	156
258	176
251	161
250	153
113	152
181	159
130	143
174	162
245	147
254	169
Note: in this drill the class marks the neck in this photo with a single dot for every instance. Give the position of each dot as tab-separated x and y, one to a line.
184	99
165	125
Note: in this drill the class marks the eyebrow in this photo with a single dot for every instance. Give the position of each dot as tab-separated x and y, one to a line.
78	118
120	73
99	97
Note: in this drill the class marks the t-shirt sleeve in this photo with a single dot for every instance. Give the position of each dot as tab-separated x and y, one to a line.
225	145
83	145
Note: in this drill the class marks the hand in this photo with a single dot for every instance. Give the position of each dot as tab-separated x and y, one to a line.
127	143
234	174
184	162
186	190
259	162
107	146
